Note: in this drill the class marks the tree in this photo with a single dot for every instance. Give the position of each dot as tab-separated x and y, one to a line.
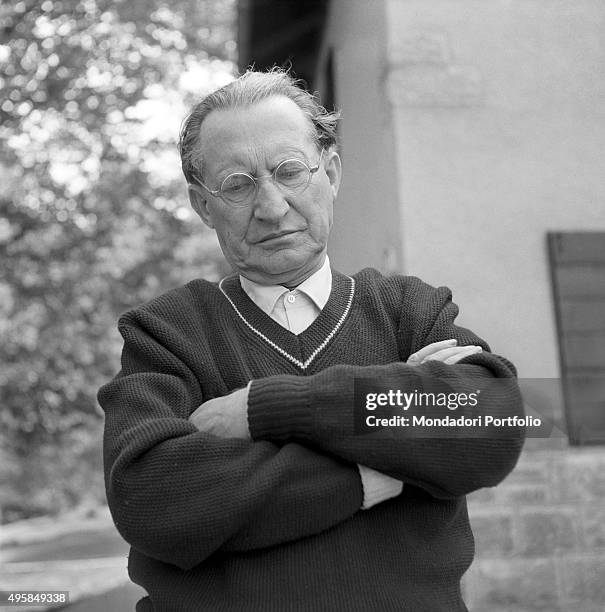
94	216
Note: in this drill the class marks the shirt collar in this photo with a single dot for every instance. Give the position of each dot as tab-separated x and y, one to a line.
317	287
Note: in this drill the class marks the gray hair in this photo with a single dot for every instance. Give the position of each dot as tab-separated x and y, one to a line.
248	89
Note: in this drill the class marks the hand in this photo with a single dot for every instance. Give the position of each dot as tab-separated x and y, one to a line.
226	417
445	351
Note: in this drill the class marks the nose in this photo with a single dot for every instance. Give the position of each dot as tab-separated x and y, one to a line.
269	205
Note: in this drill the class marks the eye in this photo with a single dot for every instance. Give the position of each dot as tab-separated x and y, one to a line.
292	173
236	184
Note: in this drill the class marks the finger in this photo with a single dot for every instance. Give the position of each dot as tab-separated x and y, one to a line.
196	413
459	357
432	348
445	353
454	351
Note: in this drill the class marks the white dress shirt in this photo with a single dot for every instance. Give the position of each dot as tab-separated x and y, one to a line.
293	309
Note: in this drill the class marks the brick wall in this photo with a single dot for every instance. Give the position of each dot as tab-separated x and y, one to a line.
540	535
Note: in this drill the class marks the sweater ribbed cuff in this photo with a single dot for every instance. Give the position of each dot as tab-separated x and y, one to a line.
279	409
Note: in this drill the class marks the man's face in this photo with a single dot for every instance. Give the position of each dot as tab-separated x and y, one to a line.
279	237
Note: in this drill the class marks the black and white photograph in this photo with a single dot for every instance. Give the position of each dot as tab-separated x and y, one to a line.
302	305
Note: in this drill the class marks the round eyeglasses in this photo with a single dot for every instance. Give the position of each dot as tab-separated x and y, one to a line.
240	188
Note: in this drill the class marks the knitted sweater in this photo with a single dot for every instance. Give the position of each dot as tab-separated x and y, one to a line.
275	523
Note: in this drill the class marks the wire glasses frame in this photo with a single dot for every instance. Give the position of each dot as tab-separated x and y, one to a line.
241	188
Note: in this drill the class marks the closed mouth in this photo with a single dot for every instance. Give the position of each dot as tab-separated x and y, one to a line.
275	236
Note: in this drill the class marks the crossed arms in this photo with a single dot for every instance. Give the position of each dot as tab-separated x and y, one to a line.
227	417
179	494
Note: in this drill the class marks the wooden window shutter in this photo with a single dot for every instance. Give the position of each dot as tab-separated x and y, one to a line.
577	262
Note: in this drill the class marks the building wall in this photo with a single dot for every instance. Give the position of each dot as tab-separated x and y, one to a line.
500	132
367	223
490	115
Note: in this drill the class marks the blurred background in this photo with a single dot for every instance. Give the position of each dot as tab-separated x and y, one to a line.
95	215
472	140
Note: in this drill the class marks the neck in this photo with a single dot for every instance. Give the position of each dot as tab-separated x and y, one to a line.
290	280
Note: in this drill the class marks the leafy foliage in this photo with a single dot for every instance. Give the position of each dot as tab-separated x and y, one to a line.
94	216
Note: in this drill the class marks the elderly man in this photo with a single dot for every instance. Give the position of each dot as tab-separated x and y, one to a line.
232	463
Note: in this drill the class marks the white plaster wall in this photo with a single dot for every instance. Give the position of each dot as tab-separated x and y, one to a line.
367	226
499	114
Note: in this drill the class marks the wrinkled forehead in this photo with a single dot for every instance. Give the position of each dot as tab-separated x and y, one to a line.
261	128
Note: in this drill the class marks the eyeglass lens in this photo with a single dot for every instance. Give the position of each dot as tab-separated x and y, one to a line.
290	174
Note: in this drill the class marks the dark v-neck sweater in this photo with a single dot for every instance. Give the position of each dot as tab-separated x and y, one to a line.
275	523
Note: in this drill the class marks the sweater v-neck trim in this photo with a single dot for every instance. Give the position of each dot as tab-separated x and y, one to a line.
301	349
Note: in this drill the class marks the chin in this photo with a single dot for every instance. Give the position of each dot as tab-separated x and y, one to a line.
290	270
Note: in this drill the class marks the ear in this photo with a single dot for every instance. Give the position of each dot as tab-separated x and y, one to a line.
333	167
199	203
